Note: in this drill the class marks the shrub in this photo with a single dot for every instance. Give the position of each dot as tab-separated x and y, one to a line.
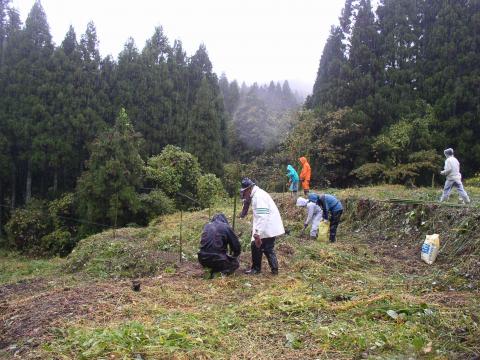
173	171
209	188
27	226
43	228
62	212
59	242
232	175
154	204
370	173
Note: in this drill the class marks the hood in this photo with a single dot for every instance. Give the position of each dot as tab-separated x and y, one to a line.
448	152
290	168
303	160
220	217
302	202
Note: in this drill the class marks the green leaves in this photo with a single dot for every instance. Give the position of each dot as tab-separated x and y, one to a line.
107	190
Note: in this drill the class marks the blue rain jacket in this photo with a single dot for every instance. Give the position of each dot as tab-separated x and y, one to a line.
292	174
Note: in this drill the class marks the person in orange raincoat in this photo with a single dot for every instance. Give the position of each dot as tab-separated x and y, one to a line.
305	175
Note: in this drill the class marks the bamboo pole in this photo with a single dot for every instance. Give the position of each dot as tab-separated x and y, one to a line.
234	211
181	221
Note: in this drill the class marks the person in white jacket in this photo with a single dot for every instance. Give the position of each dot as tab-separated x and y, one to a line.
452	171
267	225
314	216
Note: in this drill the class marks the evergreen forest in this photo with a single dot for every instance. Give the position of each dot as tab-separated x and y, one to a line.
394	88
88	142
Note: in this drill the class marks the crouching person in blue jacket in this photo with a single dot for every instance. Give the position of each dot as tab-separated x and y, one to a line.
217	237
329	204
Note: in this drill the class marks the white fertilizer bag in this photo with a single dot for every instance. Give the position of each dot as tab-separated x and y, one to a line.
430	248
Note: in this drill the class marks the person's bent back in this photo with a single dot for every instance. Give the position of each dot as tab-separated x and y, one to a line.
217	238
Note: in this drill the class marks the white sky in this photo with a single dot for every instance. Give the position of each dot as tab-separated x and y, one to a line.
249	40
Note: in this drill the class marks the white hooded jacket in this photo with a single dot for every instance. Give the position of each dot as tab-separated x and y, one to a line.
267	221
452	169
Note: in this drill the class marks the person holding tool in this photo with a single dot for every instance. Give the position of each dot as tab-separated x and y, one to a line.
217	237
314	216
266	226
292	180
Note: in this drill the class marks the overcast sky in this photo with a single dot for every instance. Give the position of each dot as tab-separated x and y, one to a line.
249	40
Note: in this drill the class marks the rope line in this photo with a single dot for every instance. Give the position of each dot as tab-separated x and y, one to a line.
82	221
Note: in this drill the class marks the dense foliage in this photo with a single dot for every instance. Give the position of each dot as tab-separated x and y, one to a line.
393	90
55	100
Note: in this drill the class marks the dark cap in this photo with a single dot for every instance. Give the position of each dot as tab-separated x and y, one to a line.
246	184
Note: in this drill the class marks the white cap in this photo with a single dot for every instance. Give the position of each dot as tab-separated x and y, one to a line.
302	202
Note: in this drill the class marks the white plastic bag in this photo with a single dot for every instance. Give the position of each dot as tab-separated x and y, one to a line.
430	248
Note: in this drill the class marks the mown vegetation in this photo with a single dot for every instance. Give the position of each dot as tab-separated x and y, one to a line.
368	296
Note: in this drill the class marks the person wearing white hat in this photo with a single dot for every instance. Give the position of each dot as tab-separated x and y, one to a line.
314	216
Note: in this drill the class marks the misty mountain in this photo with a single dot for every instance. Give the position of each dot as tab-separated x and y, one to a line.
261	115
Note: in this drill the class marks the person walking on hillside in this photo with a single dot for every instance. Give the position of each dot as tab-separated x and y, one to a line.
292	180
329	204
314	216
217	237
305	175
267	225
452	171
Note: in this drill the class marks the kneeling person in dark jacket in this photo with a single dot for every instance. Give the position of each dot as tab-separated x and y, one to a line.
217	237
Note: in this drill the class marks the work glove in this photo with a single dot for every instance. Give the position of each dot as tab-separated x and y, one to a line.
258	241
303	230
442	172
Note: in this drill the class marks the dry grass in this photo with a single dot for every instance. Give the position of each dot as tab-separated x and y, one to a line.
359	298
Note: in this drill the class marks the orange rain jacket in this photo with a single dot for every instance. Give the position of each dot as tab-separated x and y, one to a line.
305	174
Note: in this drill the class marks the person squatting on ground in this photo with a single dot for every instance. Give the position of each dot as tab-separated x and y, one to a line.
293	180
267	224
452	171
329	204
217	237
305	175
314	216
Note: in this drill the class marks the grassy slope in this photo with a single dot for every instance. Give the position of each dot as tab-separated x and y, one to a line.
347	300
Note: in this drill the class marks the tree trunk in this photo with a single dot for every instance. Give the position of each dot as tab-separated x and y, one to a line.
55	181
14	187
28	189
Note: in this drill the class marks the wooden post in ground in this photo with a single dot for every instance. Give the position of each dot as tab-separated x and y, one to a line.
181	220
234	211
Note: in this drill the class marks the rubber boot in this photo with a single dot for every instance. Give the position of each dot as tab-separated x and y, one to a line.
256	260
272	261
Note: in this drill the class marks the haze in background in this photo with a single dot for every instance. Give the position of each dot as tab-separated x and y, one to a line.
249	40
